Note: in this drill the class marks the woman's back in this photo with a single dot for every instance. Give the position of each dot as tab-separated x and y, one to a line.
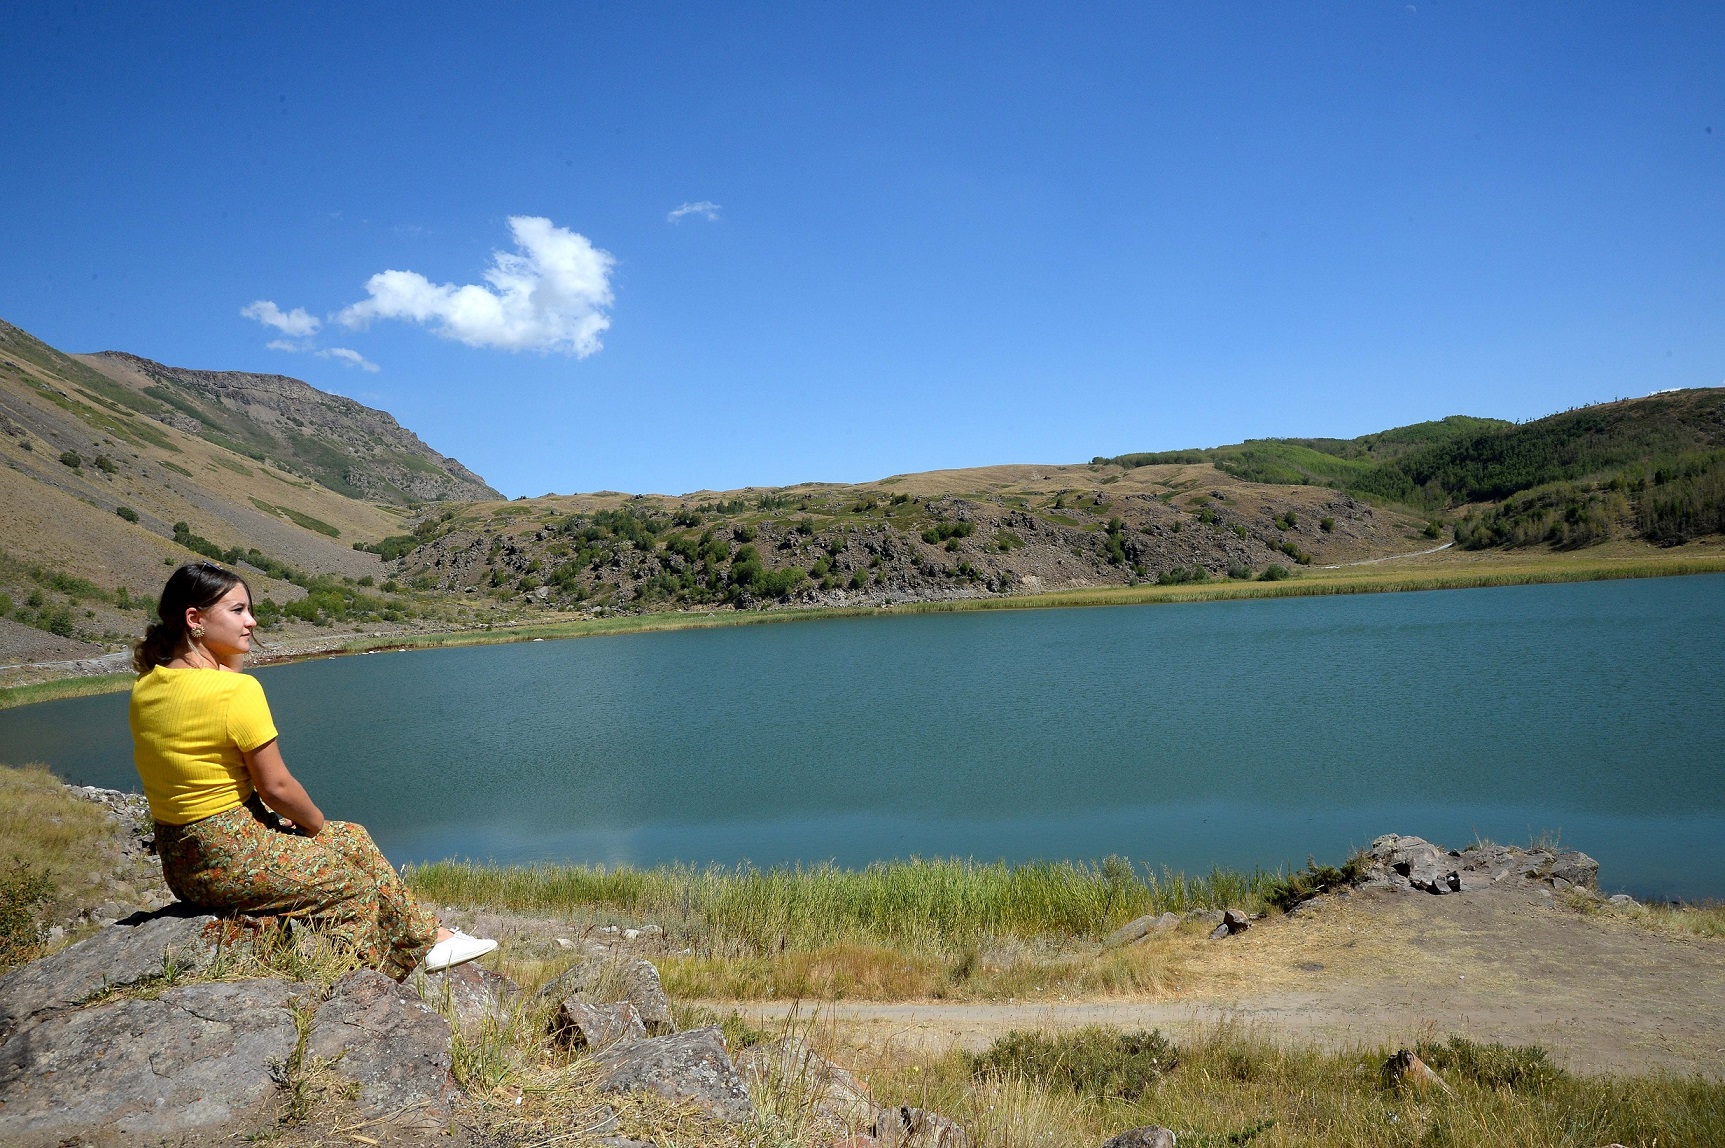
191	730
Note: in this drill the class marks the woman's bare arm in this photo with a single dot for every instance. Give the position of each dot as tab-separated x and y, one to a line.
280	790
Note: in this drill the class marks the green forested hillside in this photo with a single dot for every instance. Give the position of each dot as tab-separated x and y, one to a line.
1653	466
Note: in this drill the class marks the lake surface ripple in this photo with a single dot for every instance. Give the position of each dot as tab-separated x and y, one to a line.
1233	733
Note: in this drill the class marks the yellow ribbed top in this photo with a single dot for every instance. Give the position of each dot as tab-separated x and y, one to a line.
191	730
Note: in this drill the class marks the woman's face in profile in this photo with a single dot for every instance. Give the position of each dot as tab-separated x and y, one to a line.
228	624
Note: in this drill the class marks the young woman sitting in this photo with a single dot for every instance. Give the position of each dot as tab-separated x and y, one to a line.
234	830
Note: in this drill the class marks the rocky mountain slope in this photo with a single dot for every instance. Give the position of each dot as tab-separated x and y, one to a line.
334	441
106	484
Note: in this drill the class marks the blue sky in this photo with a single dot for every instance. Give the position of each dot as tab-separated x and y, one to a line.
943	235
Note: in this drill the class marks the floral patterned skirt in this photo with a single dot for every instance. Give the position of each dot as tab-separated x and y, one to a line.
244	861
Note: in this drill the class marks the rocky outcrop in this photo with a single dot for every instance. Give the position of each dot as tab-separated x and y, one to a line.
605	977
379	1036
467	993
195	1057
693	1066
789	1066
1396	861
577	1024
176	939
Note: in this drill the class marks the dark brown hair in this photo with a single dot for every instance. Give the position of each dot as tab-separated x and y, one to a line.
199	584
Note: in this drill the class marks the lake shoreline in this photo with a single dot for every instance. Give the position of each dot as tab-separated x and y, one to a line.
1447	571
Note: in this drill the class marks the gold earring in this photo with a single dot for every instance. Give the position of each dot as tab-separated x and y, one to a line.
197	629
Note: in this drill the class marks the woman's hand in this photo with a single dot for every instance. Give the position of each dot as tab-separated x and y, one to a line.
281	791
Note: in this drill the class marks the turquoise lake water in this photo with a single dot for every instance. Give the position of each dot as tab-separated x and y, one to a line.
1232	733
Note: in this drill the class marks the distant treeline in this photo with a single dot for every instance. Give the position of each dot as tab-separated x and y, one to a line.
1655	465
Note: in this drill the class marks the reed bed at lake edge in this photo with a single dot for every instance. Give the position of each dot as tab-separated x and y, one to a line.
939	904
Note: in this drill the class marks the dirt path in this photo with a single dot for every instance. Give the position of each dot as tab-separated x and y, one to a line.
1601	992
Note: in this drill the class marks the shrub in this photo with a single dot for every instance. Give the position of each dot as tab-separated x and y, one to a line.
1235	570
57	621
1515	1067
127	513
946	531
743	532
1273	573
1326	524
1286	521
1433	530
71	458
105	464
1093	1061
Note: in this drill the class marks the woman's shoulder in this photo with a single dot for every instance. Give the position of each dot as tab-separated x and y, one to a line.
209	683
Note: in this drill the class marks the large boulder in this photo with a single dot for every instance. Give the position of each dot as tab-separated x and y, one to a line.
380	1036
692	1066
467	992
604	977
790	1067
144	946
577	1024
1137	930
906	1127
195	1057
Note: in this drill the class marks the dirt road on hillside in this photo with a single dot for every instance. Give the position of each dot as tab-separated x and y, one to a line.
1602	992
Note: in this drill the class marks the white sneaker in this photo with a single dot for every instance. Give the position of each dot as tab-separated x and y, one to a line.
457	950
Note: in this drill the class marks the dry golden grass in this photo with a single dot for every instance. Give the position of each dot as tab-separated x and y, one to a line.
52	831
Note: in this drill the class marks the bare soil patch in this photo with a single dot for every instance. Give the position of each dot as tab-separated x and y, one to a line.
1601	991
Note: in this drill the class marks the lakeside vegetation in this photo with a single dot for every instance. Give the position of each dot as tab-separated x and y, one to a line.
1457	573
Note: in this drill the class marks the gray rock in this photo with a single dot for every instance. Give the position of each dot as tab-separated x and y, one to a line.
195	1057
1144	926
116	956
1624	901
691	1066
603	977
394	1046
1149	1136
1220	931
790	1066
1417	863
577	1024
467	992
1574	869
1205	916
906	1127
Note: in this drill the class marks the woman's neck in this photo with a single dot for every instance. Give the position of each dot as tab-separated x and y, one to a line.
196	657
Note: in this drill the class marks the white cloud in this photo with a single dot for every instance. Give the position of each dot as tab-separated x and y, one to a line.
299	323
287	345
351	358
704	208
550	294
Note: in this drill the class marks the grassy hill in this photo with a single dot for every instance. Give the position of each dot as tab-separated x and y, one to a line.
1652	467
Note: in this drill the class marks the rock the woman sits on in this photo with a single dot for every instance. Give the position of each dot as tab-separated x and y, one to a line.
235	831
